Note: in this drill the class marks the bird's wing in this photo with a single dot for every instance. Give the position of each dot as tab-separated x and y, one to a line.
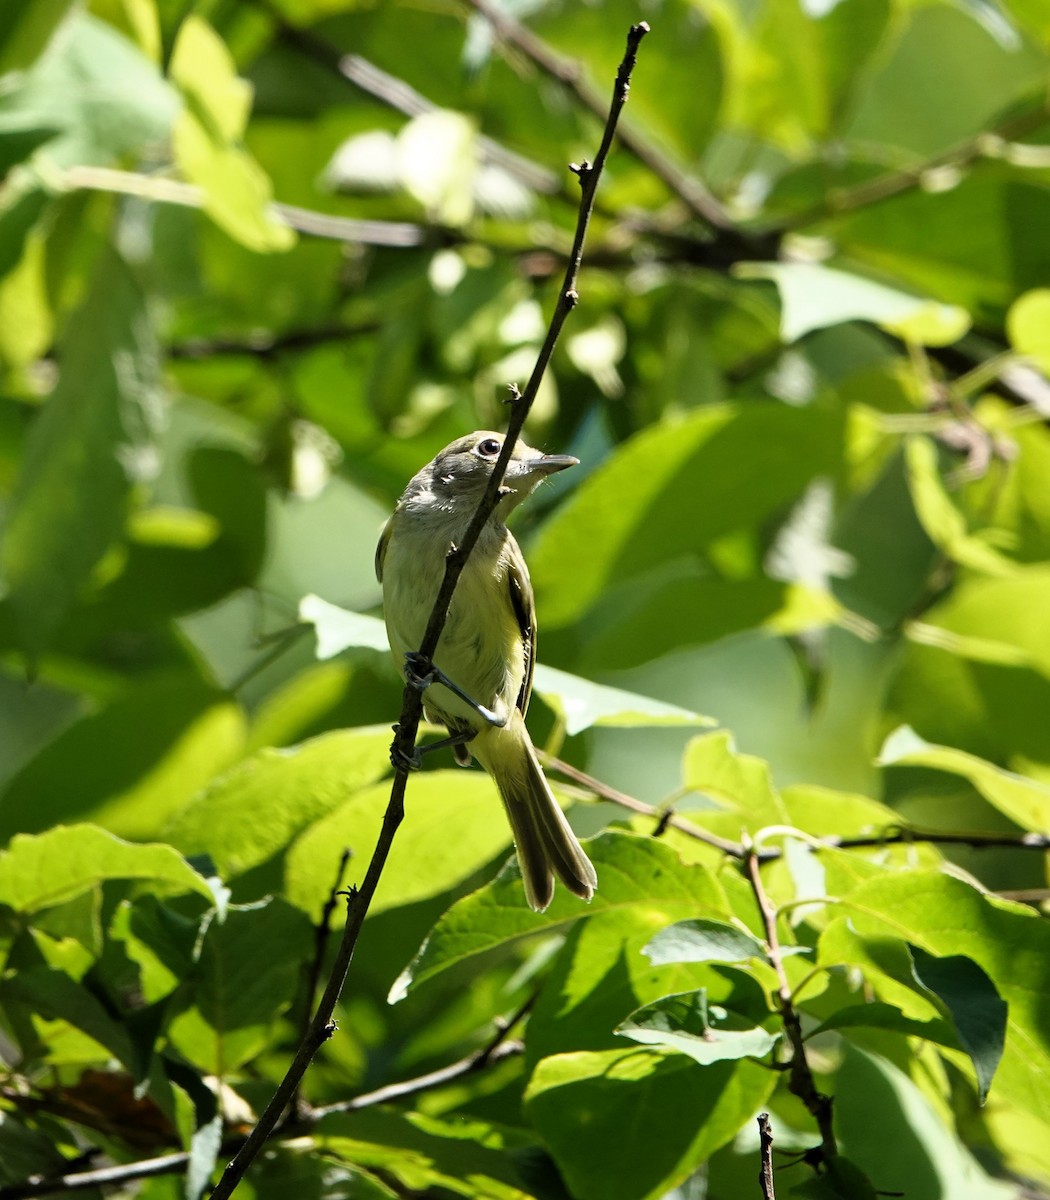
384	541
524	606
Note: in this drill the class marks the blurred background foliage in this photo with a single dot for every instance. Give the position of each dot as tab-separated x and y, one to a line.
259	261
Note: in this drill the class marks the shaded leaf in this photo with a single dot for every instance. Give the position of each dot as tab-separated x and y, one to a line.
977	1010
631	871
636	1122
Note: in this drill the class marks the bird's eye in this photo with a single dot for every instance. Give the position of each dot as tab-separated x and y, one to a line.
489	448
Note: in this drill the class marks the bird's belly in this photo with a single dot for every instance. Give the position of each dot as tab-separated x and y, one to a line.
480	649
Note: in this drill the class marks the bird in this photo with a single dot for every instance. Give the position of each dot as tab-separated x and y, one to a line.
480	681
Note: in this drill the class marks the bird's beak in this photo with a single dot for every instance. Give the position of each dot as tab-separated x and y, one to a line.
547	464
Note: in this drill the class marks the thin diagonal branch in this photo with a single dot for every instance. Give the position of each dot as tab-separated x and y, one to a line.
322	1026
672	820
801	1082
497	1048
567	72
397	94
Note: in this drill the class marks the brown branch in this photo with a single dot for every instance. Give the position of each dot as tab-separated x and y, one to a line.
322	1026
322	931
496	1049
663	815
891	835
801	1082
765	1174
700	202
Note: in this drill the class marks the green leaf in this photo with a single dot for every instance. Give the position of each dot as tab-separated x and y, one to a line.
52	995
814	297
456	825
631	871
878	1015
579	702
462	1157
26	29
977	1010
600	976
95	429
338	629
107	99
1024	801
713	765
703	940
246	976
671	491
582	704
25	1152
204	1154
138	760
637	1122
255	809
40	871
946	917
940	517
687	1023
900	1141
1028	326
237	191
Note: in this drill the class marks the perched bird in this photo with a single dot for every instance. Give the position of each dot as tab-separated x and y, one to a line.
481	681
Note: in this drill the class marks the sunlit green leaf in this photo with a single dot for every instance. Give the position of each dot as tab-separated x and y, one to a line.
43	870
1025	801
638	1121
254	810
813	297
631	871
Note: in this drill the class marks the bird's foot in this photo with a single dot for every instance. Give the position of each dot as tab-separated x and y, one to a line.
420	673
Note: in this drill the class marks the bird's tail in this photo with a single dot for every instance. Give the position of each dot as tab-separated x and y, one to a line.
545	843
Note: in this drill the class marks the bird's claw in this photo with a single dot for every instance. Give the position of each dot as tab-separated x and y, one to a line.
419	671
402	761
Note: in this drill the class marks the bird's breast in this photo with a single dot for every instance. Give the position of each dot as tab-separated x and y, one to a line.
481	647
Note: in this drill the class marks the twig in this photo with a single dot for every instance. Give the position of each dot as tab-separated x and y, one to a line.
765	1174
322	1026
662	815
497	1048
891	835
322	931
567	72
37	1185
800	1078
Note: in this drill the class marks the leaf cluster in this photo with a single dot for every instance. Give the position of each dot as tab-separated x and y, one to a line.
258	263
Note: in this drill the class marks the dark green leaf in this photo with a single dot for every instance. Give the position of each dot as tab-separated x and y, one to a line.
977	1010
85	448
